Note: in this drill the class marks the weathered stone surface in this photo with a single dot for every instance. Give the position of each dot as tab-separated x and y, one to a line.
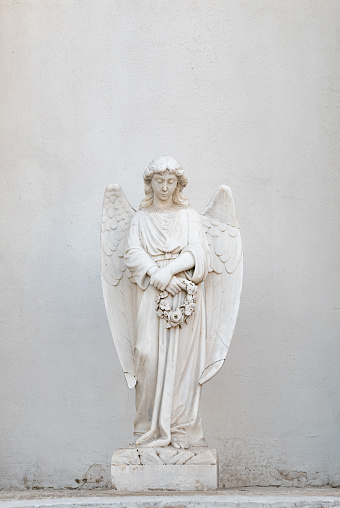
141	469
183	456
125	456
149	456
164	477
166	454
206	457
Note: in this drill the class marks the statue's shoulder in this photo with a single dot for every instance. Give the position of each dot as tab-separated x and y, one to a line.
137	217
193	214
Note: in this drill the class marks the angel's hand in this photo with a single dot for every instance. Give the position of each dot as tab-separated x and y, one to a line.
161	278
175	286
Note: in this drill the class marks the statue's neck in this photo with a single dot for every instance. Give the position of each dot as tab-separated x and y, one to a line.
158	203
163	209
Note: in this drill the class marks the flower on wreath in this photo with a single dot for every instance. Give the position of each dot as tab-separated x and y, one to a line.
189	309
176	317
191	288
164	306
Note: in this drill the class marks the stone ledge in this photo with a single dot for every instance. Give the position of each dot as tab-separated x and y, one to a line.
250	497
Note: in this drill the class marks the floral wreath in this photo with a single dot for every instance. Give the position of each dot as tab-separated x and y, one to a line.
180	315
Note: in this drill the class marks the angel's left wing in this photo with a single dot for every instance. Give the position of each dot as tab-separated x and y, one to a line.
118	290
223	284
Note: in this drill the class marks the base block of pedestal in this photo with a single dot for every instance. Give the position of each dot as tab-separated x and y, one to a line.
142	469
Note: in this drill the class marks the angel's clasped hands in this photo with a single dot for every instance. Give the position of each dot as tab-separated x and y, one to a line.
175	286
163	279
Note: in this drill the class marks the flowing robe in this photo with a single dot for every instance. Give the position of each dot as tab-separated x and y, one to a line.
168	361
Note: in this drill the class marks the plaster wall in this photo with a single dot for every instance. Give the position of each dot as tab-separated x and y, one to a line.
241	92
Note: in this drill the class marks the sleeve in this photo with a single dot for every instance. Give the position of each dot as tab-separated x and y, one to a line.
198	248
136	258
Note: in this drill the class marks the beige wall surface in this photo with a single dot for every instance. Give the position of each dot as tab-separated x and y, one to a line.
243	93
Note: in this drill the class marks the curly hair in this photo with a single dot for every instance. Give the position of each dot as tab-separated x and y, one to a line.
159	166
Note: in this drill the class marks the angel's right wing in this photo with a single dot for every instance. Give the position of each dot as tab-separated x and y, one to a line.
118	290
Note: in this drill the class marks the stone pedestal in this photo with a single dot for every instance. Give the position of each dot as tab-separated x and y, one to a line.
142	469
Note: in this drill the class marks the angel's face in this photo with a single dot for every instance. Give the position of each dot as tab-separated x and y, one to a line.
163	186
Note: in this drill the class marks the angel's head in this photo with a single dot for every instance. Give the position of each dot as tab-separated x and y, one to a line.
171	169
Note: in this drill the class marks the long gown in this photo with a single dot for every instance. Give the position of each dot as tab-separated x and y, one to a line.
168	361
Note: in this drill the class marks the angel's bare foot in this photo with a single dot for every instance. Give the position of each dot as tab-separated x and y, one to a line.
180	444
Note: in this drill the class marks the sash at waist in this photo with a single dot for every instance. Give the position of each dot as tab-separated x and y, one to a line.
165	256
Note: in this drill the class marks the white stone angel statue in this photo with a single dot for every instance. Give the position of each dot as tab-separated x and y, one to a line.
171	334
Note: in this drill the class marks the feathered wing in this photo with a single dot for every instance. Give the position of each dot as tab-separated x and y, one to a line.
118	290
223	284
